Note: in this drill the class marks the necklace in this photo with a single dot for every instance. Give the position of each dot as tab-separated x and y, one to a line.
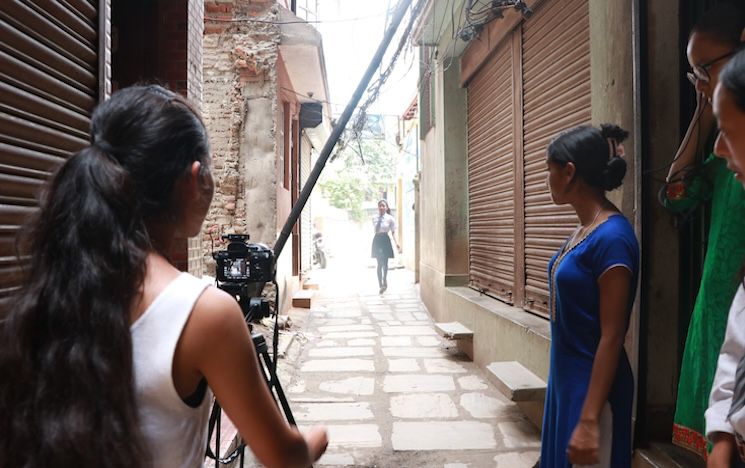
571	244
583	229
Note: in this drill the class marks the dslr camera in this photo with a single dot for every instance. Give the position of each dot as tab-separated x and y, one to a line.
242	270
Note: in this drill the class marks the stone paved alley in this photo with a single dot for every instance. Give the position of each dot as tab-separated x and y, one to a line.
390	390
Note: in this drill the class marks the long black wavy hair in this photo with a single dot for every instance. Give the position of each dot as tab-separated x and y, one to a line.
67	389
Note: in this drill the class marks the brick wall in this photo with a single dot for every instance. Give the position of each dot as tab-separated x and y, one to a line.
172	68
195	31
240	111
172	43
162	42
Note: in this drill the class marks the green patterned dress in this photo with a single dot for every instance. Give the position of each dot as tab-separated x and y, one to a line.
725	253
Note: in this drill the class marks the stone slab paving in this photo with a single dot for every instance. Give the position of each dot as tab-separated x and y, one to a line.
391	391
341	351
443	435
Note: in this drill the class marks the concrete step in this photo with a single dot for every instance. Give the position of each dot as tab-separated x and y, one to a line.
310	284
460	334
302	298
454	331
516	382
660	455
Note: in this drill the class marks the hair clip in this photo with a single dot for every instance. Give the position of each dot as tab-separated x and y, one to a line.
620	150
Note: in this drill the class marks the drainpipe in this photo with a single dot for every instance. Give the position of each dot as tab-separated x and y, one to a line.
293	6
297	209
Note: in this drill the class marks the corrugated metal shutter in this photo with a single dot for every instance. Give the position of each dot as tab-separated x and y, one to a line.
306	243
491	186
49	68
556	96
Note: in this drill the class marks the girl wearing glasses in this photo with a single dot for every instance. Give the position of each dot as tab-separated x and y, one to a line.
713	41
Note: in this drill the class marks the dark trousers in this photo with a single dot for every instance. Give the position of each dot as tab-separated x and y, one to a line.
382	271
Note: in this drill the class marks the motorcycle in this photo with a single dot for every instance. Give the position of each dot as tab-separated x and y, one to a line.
319	252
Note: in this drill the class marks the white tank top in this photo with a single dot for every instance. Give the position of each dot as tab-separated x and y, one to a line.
175	433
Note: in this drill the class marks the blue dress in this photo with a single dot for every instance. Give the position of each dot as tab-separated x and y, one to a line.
575	334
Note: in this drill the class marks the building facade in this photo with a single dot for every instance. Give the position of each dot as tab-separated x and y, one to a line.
59	60
407	189
491	98
265	106
489	108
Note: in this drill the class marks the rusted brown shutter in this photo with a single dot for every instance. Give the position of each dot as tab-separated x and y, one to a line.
49	67
306	234
491	208
556	96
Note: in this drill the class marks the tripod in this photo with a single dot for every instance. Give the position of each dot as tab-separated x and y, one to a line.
269	372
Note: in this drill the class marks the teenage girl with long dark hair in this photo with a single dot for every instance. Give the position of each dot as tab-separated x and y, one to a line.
592	284
109	355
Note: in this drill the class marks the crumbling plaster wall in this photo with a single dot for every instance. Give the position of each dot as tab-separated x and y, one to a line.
241	115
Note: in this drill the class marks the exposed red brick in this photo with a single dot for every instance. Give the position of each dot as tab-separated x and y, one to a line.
215	28
211	7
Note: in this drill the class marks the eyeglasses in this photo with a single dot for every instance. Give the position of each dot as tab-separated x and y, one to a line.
701	72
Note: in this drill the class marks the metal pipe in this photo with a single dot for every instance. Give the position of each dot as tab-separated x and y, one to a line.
297	209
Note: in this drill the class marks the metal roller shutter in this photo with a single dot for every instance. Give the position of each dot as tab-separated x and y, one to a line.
306	234
49	68
556	96
491	167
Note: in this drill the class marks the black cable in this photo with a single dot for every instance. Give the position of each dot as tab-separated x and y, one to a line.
214	427
275	336
686	142
254	20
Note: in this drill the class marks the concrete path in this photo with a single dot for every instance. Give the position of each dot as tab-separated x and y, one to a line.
391	391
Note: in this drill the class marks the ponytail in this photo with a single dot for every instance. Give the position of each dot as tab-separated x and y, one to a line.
88	249
67	395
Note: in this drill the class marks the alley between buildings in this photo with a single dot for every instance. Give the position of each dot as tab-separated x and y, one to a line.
390	390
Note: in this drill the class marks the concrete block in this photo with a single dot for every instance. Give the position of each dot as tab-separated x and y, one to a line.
454	331
301	299
310	284
516	382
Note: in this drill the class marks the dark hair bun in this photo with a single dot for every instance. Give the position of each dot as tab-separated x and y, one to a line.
614	172
613	131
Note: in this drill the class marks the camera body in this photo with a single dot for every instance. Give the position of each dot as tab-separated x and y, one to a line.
243	262
242	270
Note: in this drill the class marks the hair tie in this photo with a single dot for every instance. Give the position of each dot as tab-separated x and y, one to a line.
103	146
616	149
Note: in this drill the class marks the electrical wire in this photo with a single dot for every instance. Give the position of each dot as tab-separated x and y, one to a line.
374	89
255	20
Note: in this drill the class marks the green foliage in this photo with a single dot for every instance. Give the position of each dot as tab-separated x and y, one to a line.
355	181
345	193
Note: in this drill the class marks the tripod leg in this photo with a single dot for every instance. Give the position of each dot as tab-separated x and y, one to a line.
273	381
217	436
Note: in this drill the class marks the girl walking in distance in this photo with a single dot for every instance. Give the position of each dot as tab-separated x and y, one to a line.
592	284
109	354
382	250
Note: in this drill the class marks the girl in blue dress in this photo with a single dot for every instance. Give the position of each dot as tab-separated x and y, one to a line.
592	282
